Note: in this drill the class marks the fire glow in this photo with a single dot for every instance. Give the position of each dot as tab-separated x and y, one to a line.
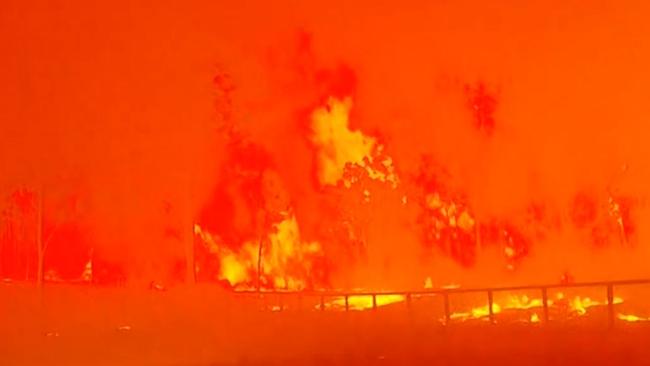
354	161
345	158
324	182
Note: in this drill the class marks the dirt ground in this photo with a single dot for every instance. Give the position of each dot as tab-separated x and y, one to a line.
77	325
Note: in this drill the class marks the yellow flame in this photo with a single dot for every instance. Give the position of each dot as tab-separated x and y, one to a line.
577	305
339	146
450	214
465	221
476	313
534	318
285	263
362	302
87	275
632	318
581	305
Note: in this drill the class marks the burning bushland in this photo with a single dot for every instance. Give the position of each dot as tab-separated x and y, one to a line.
364	161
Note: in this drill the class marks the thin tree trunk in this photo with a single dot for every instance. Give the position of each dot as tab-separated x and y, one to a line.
260	251
478	235
190	275
188	239
622	233
39	241
259	263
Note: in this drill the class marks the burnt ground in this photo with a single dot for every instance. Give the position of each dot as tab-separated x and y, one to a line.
88	326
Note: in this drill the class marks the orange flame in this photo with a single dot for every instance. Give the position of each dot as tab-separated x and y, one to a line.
339	147
362	302
286	259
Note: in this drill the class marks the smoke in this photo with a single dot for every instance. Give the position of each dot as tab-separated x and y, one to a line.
101	105
118	105
566	122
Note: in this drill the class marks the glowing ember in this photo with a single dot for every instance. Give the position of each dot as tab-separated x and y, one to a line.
481	312
578	306
534	318
87	274
632	318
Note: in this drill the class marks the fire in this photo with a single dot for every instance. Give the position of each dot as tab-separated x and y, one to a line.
581	305
286	261
87	274
448	213
578	306
362	302
632	318
339	147
523	302
514	302
480	312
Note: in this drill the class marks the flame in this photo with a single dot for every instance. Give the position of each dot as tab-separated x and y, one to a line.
339	147
87	275
476	313
534	318
341	154
523	302
362	302
581	305
449	213
576	306
286	259
632	318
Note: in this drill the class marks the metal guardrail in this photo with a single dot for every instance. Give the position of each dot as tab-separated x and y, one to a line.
446	293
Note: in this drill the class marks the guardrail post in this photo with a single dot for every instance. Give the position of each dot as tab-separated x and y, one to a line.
374	301
408	302
322	303
610	305
490	305
447	310
545	304
347	304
